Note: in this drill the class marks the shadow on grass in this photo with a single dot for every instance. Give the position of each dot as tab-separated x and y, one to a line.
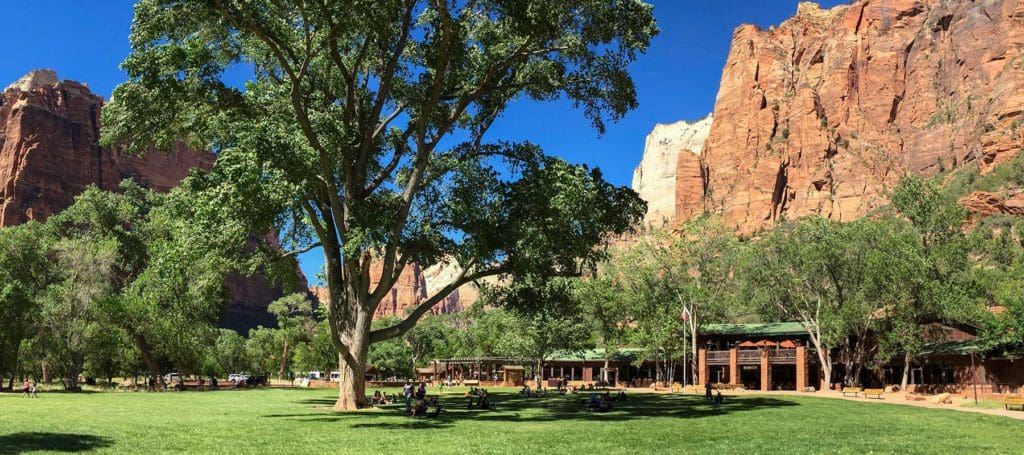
515	408
319	401
17	443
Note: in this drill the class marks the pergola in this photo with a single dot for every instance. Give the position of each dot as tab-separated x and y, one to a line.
481	368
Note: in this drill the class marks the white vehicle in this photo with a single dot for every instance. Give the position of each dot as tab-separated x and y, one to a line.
172	378
235	378
335	376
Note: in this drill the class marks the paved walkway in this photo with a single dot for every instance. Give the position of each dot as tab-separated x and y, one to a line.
898	398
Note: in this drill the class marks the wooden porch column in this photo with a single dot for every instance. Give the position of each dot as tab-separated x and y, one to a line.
766	371
801	368
702	366
734	368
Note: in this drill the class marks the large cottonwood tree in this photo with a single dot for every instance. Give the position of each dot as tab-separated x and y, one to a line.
362	128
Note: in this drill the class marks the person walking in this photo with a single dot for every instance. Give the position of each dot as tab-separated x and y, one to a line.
707	391
26	388
407	392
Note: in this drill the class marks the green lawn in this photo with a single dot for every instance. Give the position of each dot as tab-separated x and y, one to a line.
299	421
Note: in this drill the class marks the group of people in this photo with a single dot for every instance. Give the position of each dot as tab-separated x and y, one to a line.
416	403
528	392
716	399
603	402
382	398
29	389
480	399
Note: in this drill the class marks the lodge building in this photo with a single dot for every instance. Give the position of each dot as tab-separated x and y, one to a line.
763	356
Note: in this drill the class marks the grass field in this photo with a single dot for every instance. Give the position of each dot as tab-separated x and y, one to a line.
300	421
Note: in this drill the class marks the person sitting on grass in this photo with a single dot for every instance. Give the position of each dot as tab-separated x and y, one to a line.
377	398
718	398
437	408
621	395
593	401
420	408
525	390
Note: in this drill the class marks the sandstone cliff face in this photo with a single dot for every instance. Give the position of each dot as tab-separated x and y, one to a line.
414	286
824	113
670	161
50	152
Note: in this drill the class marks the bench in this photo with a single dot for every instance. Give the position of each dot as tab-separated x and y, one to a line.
847	391
1012	401
877	393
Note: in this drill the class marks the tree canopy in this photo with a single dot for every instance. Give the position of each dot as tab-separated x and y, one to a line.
361	129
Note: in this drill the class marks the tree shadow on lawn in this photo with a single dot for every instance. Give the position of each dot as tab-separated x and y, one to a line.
636	407
515	408
17	443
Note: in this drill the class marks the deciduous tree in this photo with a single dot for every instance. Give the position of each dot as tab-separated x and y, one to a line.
362	130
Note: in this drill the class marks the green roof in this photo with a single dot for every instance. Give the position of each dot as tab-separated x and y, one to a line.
961	347
629	354
762	329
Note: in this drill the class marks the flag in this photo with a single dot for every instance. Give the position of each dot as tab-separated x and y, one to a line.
685	314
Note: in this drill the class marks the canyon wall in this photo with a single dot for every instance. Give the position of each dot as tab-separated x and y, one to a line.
414	285
824	113
50	153
671	160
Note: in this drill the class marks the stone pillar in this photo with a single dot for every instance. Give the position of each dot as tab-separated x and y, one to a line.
766	371
801	368
702	366
734	368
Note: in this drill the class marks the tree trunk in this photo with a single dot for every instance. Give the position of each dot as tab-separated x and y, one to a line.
906	372
352	386
693	347
46	372
148	359
540	372
284	361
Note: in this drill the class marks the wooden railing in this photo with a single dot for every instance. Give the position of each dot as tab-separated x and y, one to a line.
718	357
782	355
748	356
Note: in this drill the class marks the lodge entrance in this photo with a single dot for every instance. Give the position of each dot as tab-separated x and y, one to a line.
750	377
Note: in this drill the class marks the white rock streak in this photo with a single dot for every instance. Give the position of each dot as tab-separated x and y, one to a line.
655	178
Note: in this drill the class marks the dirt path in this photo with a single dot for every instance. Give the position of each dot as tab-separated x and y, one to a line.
897	398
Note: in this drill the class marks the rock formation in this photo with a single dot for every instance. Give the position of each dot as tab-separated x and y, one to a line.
824	113
671	164
414	286
50	152
983	203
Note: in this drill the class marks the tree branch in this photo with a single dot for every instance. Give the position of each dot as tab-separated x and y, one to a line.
410	321
299	251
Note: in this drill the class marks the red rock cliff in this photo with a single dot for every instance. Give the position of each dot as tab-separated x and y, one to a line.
50	152
415	285
824	113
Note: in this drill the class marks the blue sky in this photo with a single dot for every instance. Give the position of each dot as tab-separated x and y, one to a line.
676	80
